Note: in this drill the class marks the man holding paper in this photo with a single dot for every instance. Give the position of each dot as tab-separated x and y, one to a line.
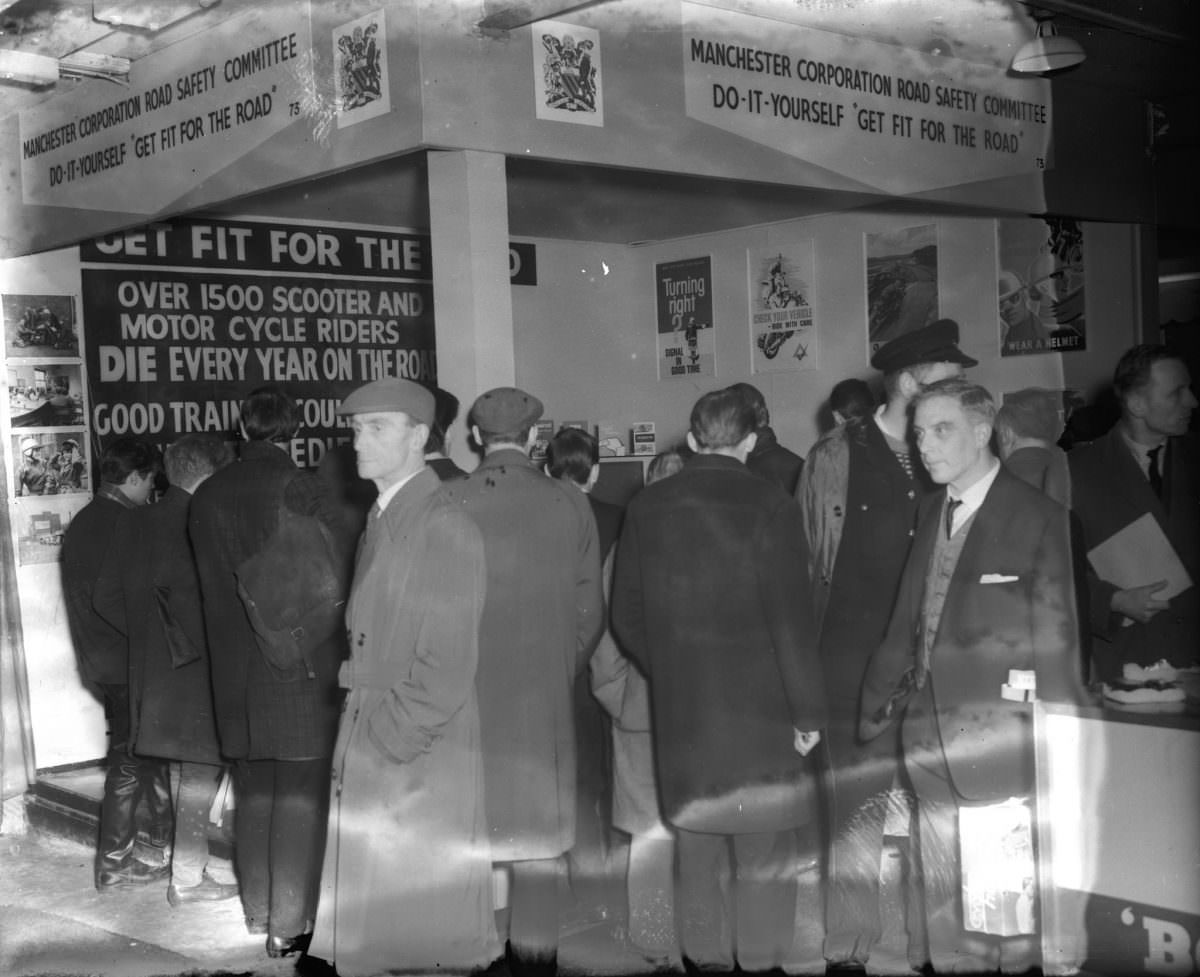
1135	493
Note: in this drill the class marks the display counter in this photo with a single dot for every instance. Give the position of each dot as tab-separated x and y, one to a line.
1119	836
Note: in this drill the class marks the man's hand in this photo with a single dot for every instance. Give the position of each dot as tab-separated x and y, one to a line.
804	742
1139	603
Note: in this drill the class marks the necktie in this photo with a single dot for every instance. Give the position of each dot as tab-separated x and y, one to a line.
951	506
1156	480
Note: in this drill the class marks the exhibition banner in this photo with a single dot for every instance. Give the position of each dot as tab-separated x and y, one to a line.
896	119
190	111
184	320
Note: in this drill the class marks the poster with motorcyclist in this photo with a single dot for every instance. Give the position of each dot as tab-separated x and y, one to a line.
41	326
782	332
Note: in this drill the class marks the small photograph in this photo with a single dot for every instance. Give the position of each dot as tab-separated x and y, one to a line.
47	463
40	326
45	395
41	524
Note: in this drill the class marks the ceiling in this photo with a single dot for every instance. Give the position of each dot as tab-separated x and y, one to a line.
1148	49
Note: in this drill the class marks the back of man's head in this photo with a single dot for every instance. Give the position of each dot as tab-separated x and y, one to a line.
571	454
721	420
269	414
757	402
125	457
1030	414
445	412
193	457
851	398
1134	368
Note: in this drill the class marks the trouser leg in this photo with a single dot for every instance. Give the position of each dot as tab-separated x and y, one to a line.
859	781
254	785
122	785
651	888
702	912
533	910
197	787
299	811
765	898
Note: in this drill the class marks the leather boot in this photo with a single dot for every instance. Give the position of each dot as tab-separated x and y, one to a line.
117	826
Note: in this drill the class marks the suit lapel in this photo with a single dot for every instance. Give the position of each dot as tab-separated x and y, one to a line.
1128	480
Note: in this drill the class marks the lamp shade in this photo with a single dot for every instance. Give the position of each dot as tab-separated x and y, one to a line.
1048	51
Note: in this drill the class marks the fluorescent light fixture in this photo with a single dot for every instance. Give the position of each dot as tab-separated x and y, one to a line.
1048	51
28	69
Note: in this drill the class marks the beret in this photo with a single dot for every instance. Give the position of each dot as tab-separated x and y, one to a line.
935	343
505	410
391	395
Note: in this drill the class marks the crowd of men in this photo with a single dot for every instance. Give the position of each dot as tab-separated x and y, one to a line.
763	664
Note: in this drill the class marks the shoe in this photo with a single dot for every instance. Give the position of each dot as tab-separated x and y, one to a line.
282	946
135	873
207	890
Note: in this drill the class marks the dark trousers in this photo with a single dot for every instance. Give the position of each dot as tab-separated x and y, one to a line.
861	779
952	948
130	780
753	917
279	833
533	909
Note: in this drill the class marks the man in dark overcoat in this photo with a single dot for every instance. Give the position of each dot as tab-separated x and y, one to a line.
1147	465
709	599
127	470
541	620
859	492
278	726
148	589
985	622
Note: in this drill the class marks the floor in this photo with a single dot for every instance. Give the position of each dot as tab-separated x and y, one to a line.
53	921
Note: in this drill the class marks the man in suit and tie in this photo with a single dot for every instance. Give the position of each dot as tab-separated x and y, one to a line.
984	622
1147	463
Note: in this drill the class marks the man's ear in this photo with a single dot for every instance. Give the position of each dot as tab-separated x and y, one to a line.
746	445
693	443
477	435
593	477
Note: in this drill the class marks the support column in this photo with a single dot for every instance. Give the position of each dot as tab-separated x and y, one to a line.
472	299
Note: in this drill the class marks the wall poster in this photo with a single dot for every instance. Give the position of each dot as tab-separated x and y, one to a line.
360	79
187	318
1040	279
45	413
782	333
902	282
567	80
683	295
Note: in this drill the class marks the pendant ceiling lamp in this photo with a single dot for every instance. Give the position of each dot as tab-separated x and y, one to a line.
1049	51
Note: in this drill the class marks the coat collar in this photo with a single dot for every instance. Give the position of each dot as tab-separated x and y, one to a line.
714	462
264	451
507	457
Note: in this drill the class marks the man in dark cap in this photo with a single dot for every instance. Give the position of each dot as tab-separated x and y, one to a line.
859	491
541	620
407	882
769	458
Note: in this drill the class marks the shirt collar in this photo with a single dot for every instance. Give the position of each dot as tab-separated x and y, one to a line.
973	497
389	493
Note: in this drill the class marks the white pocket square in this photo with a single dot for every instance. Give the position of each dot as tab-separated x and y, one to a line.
998	578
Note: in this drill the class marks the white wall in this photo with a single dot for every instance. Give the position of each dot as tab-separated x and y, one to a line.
585	335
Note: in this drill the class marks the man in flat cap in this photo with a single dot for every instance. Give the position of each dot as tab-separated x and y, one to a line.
541	620
859	491
407	881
